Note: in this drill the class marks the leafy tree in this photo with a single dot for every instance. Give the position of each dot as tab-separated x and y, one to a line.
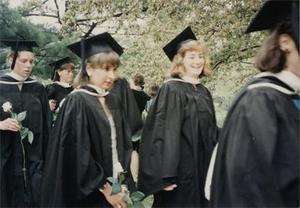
51	45
143	27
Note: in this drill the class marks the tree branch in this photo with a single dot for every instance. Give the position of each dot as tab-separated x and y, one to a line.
42	15
94	24
57	12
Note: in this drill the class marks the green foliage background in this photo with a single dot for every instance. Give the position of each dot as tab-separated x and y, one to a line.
143	27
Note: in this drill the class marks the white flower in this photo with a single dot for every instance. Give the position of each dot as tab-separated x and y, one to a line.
7	106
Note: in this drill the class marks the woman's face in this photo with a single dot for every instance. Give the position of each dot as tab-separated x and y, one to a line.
24	63
66	75
102	77
193	62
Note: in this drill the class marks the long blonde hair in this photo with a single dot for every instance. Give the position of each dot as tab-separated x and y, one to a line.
177	69
99	60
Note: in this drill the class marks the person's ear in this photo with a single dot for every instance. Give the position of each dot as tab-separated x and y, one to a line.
89	71
59	73
10	60
285	42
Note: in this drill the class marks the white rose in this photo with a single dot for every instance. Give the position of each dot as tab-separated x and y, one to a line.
7	106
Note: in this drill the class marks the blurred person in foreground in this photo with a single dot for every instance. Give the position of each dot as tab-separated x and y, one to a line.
257	161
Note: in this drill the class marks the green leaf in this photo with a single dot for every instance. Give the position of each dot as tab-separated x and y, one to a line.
112	180
21	116
121	178
137	196
30	137
138	204
14	115
23	132
116	188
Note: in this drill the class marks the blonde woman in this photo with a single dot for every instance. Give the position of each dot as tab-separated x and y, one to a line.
91	138
180	129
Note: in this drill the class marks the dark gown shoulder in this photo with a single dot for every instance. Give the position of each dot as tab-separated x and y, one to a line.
259	149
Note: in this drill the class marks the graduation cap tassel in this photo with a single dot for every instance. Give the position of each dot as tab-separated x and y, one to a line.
82	55
15	56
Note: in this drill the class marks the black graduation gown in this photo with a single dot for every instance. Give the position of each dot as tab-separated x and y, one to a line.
141	99
257	163
122	91
57	92
33	99
178	137
79	157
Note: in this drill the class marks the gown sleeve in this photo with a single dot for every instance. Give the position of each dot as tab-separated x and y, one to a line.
71	172
46	121
159	153
50	89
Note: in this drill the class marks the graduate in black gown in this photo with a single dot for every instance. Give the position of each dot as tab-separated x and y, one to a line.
180	130
21	172
138	91
122	91
91	139
257	162
62	77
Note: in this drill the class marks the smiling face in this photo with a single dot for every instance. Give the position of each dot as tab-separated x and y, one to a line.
193	62
24	63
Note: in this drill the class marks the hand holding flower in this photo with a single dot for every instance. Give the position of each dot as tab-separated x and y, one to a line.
10	124
15	124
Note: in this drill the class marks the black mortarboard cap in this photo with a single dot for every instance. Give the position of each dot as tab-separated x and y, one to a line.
100	43
103	42
19	45
173	46
274	12
57	64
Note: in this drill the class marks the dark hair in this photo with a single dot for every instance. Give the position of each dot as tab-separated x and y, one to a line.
61	68
153	90
270	56
138	80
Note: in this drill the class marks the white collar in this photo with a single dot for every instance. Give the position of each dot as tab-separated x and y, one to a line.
285	76
63	84
99	90
191	81
137	88
16	76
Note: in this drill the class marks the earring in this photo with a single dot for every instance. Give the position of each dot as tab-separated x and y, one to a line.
285	50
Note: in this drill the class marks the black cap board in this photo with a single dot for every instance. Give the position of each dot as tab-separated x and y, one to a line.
274	12
173	46
100	43
57	64
19	45
103	42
